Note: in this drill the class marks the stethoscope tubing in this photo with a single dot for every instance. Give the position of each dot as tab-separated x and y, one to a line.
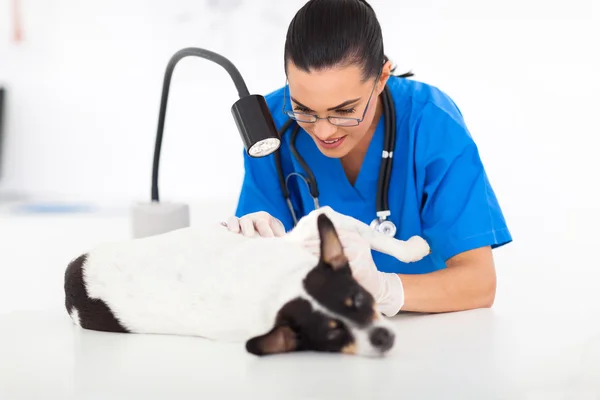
385	169
388	152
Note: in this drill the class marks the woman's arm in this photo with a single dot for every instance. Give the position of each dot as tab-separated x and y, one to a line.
468	282
461	217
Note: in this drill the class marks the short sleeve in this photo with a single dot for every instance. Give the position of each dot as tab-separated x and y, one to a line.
459	209
261	190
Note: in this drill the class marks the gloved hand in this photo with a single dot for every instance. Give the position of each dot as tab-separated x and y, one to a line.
261	223
386	288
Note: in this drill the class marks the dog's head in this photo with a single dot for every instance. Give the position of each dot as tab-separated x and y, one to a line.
333	314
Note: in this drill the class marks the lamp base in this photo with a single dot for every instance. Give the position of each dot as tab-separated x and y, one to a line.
155	218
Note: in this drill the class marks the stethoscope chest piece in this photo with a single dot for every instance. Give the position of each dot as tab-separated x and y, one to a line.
386	227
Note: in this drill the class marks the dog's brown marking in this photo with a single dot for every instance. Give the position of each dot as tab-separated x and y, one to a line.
349	349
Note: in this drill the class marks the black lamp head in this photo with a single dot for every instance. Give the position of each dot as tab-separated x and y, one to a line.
256	126
251	114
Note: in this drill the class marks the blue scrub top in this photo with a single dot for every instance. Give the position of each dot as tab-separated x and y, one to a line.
438	189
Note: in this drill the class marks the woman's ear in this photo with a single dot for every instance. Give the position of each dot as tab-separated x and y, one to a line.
386	72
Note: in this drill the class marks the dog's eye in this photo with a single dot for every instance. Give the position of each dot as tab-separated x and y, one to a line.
359	299
356	301
335	330
334	334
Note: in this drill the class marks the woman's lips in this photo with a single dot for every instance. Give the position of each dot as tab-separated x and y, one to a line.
332	143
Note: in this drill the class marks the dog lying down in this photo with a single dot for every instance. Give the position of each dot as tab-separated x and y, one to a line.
206	281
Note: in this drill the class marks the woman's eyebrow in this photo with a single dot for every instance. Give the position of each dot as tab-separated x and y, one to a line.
344	104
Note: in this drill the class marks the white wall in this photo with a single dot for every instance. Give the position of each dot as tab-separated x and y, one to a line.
84	91
89	77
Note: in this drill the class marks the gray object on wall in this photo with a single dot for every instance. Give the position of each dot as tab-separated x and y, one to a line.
2	122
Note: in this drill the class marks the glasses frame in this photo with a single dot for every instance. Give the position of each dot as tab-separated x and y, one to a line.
312	118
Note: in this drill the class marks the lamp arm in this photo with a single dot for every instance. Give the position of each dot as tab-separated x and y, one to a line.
235	75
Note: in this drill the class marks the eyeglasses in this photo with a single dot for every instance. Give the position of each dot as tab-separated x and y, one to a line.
338	121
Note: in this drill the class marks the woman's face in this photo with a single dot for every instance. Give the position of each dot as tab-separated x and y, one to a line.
336	92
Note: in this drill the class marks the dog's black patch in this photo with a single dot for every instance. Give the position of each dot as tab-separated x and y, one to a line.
94	314
298	327
331	282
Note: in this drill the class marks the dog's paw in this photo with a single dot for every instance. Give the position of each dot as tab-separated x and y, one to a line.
419	248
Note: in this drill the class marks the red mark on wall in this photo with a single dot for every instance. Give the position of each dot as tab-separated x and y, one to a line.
17	22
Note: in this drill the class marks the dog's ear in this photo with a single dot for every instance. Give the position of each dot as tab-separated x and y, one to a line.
332	252
280	339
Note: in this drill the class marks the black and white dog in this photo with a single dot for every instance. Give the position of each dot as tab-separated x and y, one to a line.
270	293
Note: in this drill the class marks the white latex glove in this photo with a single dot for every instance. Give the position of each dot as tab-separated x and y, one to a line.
386	288
411	250
259	223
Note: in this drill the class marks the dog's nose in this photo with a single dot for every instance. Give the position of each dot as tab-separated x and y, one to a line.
382	338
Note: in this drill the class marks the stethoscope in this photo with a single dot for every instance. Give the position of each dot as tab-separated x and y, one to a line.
380	223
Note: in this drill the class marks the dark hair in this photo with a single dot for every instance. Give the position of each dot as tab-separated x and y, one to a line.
329	33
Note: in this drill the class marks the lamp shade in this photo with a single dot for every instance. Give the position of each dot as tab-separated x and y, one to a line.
255	125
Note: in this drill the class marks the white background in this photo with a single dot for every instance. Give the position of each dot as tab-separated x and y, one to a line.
83	97
84	90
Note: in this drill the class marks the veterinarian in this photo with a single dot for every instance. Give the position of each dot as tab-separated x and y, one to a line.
336	70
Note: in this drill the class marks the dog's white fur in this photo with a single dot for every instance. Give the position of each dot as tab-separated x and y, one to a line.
203	281
411	250
210	282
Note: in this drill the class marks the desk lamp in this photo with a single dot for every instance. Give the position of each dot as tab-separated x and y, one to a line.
254	123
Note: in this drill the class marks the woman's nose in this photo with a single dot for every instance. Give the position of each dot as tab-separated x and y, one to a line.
324	129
